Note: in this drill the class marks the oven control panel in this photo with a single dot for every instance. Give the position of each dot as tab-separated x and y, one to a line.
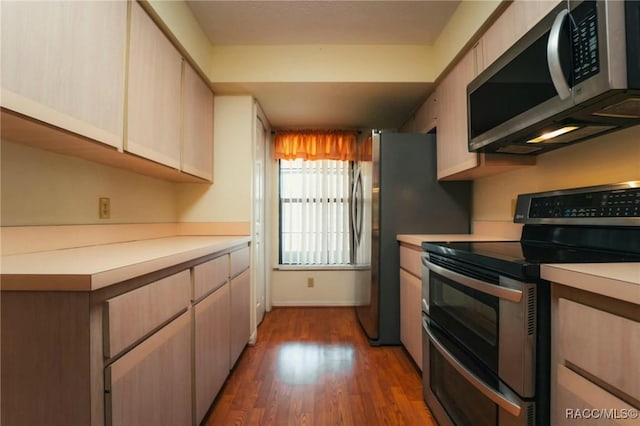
594	203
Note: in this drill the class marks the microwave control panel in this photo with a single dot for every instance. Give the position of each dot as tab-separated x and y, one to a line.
584	41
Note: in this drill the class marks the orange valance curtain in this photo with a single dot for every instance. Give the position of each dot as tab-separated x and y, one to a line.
317	145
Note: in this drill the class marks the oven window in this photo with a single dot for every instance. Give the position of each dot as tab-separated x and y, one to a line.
463	403
469	316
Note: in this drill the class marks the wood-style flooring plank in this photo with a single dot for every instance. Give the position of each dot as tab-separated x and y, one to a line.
315	367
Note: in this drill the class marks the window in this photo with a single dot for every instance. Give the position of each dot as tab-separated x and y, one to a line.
314	212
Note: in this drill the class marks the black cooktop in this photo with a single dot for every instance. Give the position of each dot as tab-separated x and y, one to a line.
522	259
599	224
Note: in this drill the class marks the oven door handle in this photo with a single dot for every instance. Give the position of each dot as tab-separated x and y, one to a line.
502	400
506	293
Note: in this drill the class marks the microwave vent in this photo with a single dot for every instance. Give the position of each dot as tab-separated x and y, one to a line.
629	108
518	149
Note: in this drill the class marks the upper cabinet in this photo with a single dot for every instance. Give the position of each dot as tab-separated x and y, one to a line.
101	81
154	92
425	118
455	162
514	22
453	153
63	63
197	127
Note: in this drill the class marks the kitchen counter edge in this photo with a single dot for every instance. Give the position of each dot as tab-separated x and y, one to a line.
417	239
95	267
616	280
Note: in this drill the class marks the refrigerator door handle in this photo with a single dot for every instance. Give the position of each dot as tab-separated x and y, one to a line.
357	206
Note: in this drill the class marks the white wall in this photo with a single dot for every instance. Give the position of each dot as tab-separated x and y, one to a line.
331	288
43	188
229	198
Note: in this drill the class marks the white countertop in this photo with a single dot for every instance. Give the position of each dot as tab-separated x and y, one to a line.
617	280
94	267
418	239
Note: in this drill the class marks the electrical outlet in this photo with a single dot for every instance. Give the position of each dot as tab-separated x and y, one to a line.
310	282
104	208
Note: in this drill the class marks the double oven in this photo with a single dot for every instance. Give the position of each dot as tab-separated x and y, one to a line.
486	310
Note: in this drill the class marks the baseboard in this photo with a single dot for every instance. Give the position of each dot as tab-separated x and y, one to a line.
254	338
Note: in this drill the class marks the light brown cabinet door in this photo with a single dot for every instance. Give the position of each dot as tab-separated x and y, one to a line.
154	92
595	342
515	21
411	315
151	384
240	314
453	142
576	396
132	315
603	346
211	345
197	126
210	275
63	63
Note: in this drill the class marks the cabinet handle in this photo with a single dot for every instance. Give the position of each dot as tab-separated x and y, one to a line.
505	293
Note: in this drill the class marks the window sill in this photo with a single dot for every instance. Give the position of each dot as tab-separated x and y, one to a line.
321	267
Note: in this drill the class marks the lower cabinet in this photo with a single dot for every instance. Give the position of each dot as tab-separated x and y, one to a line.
151	384
211	348
594	353
410	302
410	315
240	314
153	350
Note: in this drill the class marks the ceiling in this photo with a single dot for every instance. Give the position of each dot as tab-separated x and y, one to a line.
365	104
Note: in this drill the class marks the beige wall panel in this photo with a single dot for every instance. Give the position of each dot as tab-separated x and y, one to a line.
608	159
229	198
331	288
43	188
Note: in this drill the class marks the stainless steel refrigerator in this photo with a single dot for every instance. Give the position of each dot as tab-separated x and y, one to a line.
406	198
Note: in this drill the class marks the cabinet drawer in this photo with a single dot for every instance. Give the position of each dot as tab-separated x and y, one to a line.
210	275
131	316
602	344
239	261
151	384
576	395
410	259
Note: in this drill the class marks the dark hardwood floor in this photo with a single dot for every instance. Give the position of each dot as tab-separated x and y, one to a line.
313	366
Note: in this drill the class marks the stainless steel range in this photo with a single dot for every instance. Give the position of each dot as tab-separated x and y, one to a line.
486	338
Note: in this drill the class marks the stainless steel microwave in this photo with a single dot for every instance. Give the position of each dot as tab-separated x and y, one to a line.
573	76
